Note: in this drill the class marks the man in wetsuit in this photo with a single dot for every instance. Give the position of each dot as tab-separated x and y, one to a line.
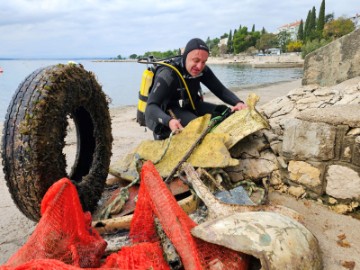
169	95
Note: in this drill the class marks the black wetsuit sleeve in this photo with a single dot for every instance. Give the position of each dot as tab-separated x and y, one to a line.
215	86
163	89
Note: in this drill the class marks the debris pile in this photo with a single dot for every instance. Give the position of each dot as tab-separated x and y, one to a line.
78	246
161	234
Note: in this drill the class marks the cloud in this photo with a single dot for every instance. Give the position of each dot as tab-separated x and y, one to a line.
107	28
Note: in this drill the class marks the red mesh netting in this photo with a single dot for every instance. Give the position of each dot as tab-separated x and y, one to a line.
64	231
194	253
64	239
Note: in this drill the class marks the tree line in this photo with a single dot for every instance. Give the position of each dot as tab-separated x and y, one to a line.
315	32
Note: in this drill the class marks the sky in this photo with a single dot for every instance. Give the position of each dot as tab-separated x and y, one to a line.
108	28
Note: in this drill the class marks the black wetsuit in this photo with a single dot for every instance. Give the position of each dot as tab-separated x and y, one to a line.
168	92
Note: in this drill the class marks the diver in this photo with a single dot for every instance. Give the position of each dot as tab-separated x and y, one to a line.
171	106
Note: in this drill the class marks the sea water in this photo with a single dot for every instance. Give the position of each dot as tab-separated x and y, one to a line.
121	80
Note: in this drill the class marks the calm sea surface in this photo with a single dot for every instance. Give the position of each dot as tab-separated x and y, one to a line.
121	80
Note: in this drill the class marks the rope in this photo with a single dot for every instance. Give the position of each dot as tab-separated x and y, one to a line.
123	196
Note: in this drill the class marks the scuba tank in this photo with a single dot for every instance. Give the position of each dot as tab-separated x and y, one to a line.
146	83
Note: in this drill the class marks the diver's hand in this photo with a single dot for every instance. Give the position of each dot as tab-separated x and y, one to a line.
175	125
239	106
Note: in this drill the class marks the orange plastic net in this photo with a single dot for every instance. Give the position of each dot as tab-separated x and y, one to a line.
64	239
63	232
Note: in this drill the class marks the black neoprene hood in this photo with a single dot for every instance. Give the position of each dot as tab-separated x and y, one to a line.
194	44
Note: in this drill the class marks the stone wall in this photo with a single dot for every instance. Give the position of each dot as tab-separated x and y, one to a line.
334	63
313	147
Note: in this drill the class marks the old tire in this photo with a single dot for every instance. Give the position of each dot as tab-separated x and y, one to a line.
35	130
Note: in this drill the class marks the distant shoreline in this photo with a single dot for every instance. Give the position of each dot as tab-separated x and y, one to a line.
115	60
291	60
267	61
266	91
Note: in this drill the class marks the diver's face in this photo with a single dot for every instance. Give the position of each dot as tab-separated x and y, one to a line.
196	61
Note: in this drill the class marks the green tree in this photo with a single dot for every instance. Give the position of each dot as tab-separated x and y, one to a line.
266	41
321	19
230	48
263	31
253	28
240	41
312	34
254	36
306	28
243	39
162	55
300	33
225	35
329	17
312	22
337	28
208	42
133	56
215	50
213	45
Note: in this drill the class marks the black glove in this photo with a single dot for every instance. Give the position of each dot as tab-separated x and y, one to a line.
219	110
